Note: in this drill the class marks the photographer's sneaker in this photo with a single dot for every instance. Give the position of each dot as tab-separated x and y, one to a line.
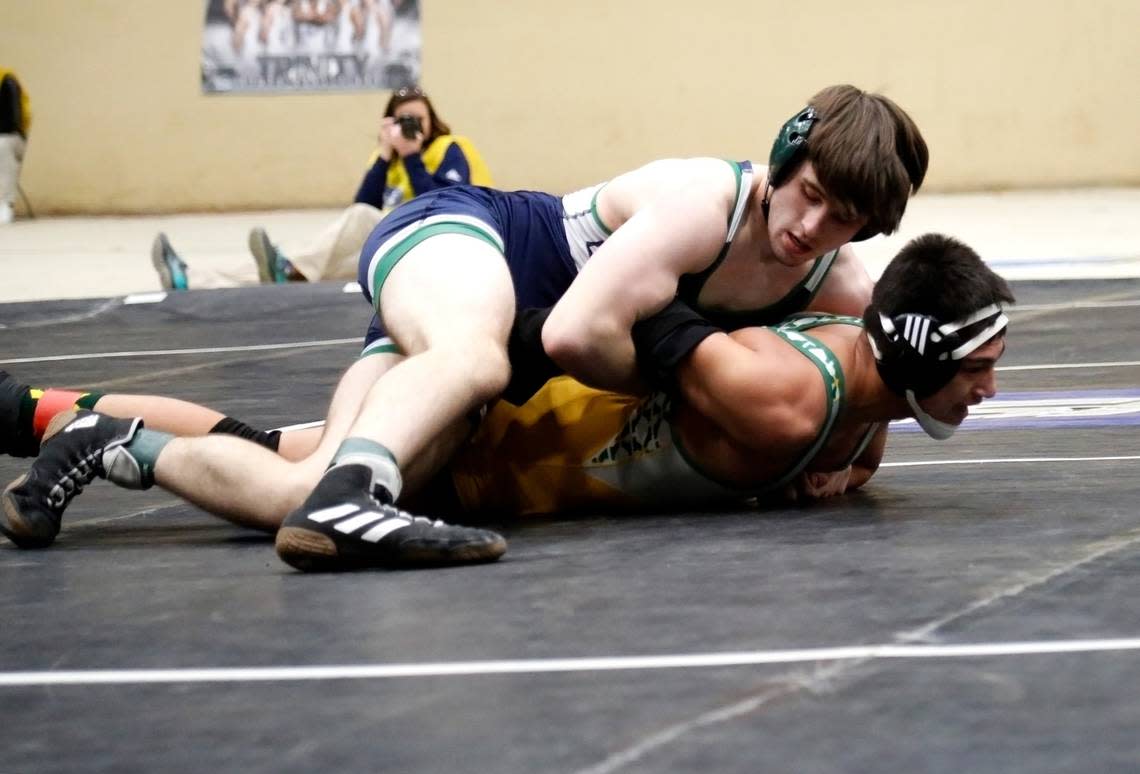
77	446
171	269
342	526
272	266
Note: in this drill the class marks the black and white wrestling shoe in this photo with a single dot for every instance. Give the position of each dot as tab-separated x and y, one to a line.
344	526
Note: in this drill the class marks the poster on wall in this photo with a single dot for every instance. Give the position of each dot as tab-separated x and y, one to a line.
310	45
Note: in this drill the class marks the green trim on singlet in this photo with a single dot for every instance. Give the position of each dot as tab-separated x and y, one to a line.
798	297
594	211
400	249
739	175
862	445
834	383
377	348
805	321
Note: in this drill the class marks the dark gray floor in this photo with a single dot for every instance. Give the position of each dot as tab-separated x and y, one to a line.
1002	552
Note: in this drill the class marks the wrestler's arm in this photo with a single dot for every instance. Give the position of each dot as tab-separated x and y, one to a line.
761	393
673	218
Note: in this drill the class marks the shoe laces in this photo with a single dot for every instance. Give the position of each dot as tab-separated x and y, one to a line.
391	511
71	482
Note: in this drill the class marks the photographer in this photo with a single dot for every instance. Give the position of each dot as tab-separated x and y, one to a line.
417	153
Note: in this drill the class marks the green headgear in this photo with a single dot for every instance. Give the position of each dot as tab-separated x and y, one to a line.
790	145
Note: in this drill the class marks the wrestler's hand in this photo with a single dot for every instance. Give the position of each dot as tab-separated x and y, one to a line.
817	485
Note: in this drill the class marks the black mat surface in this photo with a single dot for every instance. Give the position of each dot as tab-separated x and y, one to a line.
1022	529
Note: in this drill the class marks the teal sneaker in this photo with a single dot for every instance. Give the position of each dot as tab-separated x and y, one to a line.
272	266
171	269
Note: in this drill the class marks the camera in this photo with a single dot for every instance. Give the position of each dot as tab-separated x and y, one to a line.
410	126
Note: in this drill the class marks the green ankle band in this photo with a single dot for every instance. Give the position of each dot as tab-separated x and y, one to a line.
145	448
385	470
354	447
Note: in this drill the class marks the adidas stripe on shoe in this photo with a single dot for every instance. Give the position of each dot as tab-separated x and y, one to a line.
342	526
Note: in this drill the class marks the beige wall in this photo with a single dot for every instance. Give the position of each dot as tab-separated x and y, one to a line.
1022	93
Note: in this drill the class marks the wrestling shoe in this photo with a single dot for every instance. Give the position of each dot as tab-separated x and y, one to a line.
171	269
342	526
14	439
77	447
272	266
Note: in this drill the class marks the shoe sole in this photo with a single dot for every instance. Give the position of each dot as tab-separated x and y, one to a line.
156	259
311	551
260	256
158	251
14	527
306	550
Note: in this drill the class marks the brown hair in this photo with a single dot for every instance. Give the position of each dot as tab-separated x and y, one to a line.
411	94
868	154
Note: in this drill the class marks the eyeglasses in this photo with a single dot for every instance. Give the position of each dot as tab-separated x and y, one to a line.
409	91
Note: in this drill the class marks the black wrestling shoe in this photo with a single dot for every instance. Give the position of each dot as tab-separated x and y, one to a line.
14	440
342	526
77	447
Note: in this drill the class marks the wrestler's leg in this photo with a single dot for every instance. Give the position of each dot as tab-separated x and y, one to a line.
254	487
25	412
225	475
447	300
449	304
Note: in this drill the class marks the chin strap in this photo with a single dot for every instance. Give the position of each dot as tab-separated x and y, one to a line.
935	428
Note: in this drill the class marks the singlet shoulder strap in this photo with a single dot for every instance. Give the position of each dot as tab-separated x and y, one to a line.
594	210
833	382
689	286
743	171
805	321
863	442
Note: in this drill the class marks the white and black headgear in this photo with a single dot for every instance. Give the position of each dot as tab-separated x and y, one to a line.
917	355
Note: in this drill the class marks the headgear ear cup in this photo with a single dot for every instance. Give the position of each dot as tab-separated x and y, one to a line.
911	352
789	149
916	355
790	145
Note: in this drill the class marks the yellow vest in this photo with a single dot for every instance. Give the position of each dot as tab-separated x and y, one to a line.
26	105
432	157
